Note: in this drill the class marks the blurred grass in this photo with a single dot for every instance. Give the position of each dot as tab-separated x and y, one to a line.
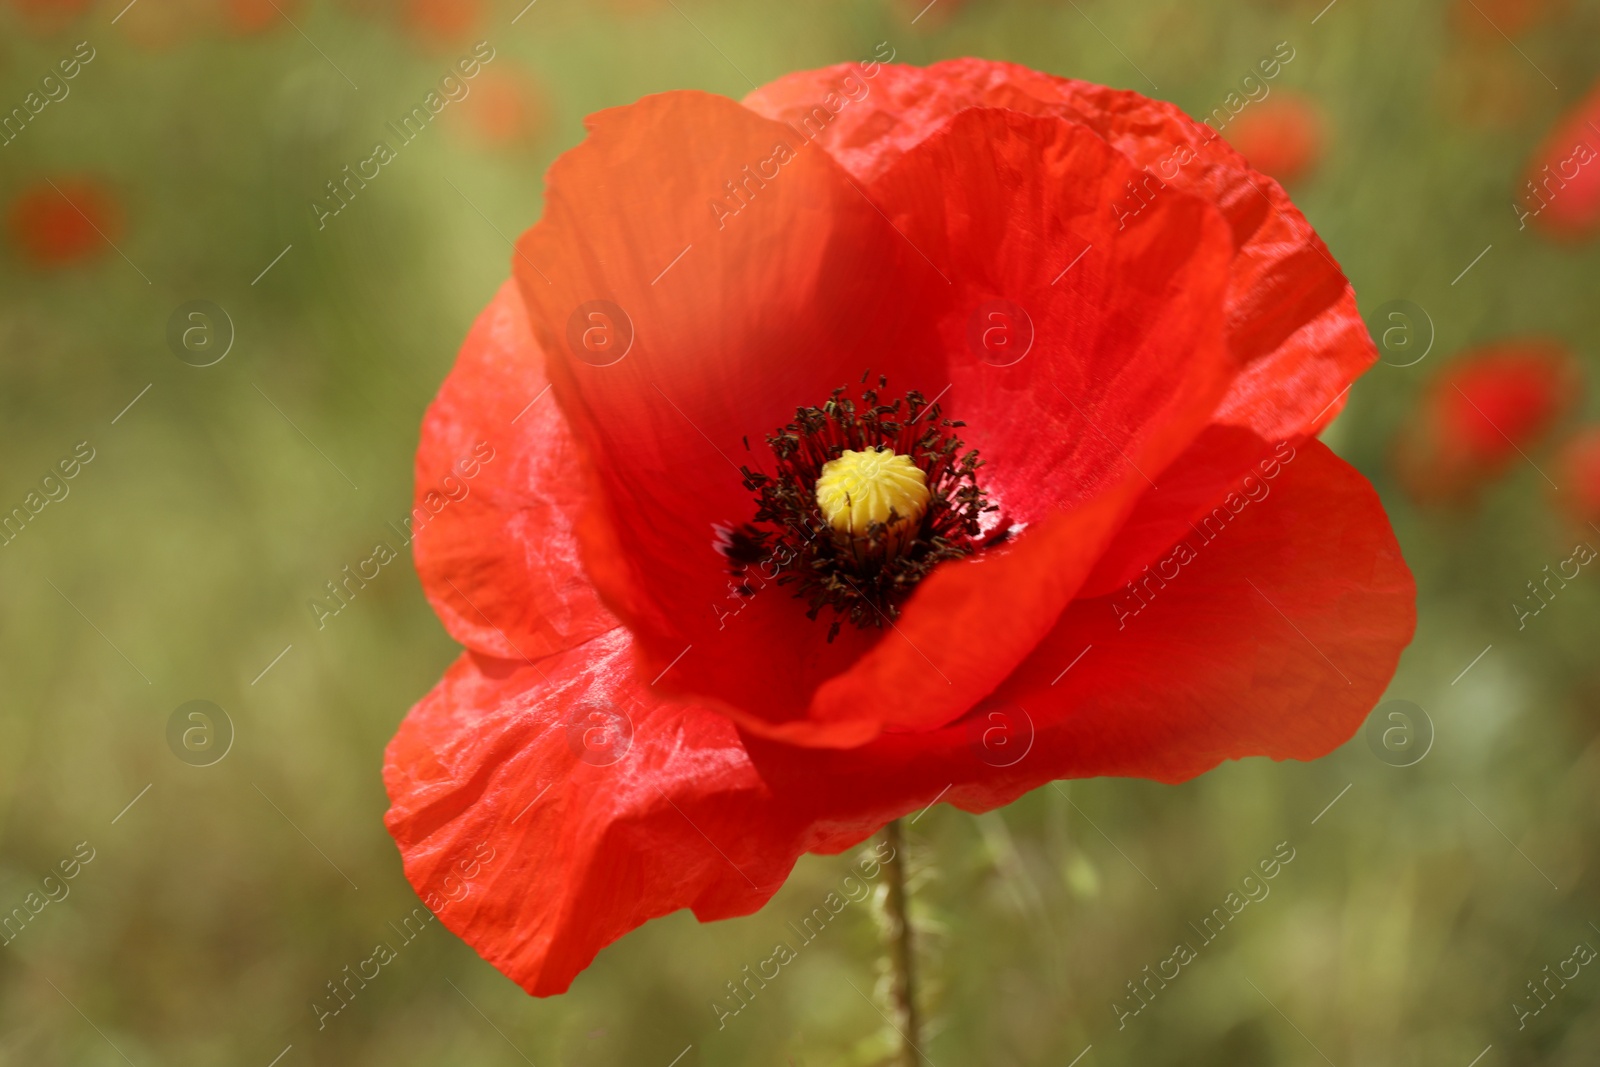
208	923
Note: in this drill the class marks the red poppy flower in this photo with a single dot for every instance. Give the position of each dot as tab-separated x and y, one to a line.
67	222
1481	414
1281	136
647	719
1561	191
1579	477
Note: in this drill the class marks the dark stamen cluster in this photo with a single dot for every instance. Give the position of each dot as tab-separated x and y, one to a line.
862	578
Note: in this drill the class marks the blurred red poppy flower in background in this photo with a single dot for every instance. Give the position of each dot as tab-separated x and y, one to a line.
1480	414
47	16
505	108
930	14
773	335
259	16
1281	136
1561	190
442	23
1579	477
1499	19
70	221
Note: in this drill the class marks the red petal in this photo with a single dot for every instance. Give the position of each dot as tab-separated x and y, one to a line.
496	550
1293	319
1127	361
1276	640
511	766
1223	462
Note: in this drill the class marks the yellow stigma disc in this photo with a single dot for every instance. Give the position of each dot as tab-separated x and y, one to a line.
861	488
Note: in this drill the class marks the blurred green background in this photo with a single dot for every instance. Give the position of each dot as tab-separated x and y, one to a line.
217	906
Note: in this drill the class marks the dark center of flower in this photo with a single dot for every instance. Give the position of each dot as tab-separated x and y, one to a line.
864	503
